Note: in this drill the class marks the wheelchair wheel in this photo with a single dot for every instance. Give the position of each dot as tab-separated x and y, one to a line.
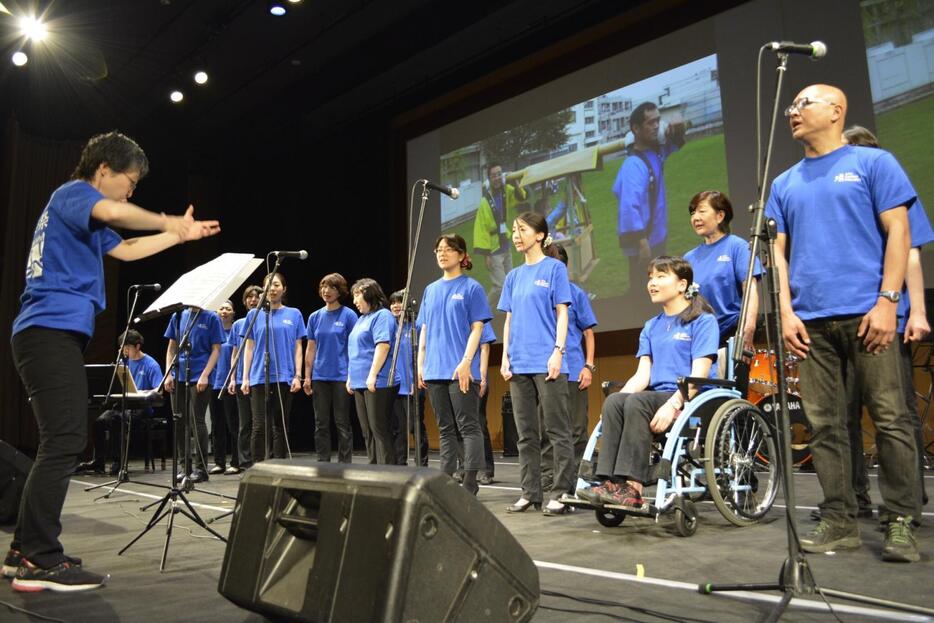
686	520
608	519
742	487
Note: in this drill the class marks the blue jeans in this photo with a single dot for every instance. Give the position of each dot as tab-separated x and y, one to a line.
879	380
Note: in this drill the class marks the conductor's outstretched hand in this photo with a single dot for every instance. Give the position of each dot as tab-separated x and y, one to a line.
187	228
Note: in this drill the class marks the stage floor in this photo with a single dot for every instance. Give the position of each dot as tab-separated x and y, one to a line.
641	565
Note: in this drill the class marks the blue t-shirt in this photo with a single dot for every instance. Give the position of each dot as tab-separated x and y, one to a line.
146	372
674	346
829	208
222	369
531	293
330	330
487	336
287	327
65	268
236	341
404	361
580	318
377	327
448	309
921	234
631	188
720	270
207	331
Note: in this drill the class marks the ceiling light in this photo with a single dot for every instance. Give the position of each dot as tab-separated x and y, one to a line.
277	8
31	28
19	58
176	96
201	77
295	1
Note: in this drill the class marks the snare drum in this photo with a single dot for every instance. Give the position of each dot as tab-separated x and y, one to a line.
800	432
763	377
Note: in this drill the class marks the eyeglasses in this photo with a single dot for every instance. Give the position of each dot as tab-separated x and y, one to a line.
444	250
133	183
804	102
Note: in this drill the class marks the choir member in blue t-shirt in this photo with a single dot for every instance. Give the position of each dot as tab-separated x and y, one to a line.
251	296
535	299
402	407
720	265
842	217
284	341
328	330
147	375
195	371
680	341
64	292
224	417
368	349
451	318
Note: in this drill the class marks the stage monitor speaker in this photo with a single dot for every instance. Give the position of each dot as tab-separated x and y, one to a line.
14	468
320	542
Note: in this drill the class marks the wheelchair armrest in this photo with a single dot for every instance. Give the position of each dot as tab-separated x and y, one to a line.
610	387
684	381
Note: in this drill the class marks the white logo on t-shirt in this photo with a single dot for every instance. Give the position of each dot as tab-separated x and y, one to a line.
681	336
723	258
338	323
542	283
457	296
287	321
849	176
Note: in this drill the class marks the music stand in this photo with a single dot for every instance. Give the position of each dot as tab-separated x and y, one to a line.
205	287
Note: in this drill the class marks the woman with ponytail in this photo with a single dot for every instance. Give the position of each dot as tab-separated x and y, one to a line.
453	311
680	341
535	299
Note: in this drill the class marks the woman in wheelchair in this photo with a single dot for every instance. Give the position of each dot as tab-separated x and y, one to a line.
680	341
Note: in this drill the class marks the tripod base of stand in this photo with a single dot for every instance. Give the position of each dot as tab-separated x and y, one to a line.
122	478
171	504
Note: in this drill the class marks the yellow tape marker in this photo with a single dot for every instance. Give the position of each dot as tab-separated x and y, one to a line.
640	570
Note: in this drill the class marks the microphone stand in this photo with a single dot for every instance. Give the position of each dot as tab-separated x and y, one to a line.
125	424
795	576
409	310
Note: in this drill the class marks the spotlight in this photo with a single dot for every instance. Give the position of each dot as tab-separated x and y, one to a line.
19	58
277	8
294	1
201	77
176	96
31	28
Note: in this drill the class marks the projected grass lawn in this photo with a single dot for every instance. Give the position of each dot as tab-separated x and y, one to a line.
902	132
700	165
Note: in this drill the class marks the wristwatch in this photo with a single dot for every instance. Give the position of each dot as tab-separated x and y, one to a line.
560	348
892	295
590	366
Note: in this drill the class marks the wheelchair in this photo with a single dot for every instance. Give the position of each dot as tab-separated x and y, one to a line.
718	448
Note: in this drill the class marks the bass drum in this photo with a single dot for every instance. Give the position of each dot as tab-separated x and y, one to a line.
800	431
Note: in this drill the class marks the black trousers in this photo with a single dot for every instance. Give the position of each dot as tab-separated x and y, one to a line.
400	416
331	398
245	432
626	439
488	468
50	363
374	410
225	427
197	425
107	439
276	420
456	411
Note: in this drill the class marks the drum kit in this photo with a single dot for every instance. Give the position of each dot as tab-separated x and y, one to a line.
763	384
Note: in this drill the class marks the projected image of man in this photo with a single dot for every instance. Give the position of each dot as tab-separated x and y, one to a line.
491	236
642	222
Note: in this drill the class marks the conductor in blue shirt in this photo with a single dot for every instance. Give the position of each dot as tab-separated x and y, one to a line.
64	292
841	215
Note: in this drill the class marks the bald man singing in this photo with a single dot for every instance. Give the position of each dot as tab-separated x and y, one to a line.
842	248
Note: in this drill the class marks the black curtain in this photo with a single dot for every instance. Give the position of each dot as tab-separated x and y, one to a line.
30	169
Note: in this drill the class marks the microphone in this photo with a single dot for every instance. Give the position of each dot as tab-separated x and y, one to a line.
450	191
299	255
814	49
155	287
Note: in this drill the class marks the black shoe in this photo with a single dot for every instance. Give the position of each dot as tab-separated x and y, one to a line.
458	476
485	479
63	577
114	469
14	560
523	505
90	467
199	475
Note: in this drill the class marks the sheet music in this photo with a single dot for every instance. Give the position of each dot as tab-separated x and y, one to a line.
205	287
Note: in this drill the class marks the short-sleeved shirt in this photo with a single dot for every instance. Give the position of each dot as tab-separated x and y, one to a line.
378	327
146	372
65	268
329	329
673	347
287	326
829	207
404	361
580	318
921	234
222	369
206	332
488	335
531	293
449	307
720	269
631	187
235	339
